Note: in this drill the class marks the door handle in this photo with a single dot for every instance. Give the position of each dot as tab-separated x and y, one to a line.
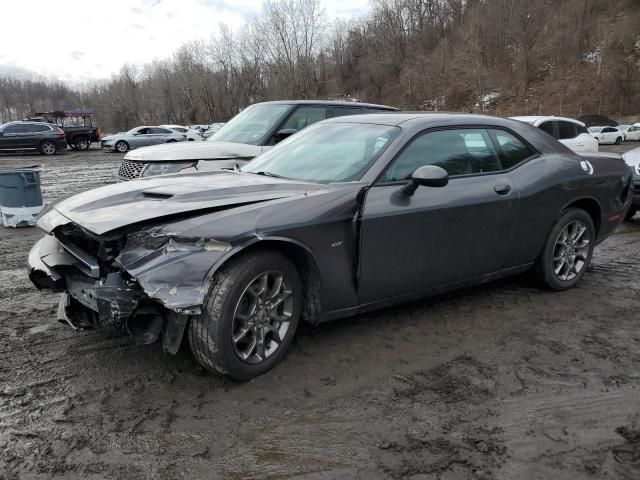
502	189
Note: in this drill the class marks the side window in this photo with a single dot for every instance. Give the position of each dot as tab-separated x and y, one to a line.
459	152
566	130
144	131
40	128
512	150
27	128
163	131
11	129
548	127
304	116
608	130
343	111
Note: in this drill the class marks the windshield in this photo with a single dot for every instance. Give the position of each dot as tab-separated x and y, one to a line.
325	153
595	129
250	125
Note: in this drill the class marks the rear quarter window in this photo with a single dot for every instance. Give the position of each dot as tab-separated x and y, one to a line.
511	149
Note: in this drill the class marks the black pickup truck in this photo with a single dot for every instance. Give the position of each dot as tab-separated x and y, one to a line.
76	124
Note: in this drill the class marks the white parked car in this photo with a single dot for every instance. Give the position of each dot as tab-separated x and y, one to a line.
607	135
192	135
570	132
631	132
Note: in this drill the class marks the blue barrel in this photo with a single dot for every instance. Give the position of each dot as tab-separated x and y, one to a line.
20	197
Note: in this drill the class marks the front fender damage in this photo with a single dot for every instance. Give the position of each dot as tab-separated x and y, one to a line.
172	269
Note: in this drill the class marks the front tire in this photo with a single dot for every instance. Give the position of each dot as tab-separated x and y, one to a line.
568	251
250	316
48	148
632	211
121	146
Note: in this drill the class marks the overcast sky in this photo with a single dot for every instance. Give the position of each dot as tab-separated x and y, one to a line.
78	40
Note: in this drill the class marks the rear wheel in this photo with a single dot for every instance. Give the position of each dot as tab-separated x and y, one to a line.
82	143
250	316
568	250
48	148
618	140
122	146
632	211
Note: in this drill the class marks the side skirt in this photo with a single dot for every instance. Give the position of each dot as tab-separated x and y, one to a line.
387	302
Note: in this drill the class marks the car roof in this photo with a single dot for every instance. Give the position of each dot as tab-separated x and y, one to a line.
424	118
337	103
537	119
28	122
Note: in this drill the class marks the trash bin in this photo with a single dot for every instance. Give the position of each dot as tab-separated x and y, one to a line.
20	197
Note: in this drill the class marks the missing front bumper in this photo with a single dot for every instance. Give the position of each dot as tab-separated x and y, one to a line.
110	300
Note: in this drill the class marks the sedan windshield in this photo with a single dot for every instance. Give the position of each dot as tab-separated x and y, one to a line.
250	125
325	153
596	129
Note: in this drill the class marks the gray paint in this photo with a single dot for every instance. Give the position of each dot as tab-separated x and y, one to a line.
370	245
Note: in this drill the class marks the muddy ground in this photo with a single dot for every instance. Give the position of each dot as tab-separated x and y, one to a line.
501	381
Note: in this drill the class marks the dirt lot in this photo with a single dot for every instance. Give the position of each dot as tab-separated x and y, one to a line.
501	381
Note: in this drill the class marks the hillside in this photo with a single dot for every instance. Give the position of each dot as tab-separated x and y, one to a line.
507	57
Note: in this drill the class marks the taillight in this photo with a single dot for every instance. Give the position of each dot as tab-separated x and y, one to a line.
60	133
184	135
98	132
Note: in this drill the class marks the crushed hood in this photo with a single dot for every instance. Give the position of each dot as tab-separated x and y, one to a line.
115	206
167	152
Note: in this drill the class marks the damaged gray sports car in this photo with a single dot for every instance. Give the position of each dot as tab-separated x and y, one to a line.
351	214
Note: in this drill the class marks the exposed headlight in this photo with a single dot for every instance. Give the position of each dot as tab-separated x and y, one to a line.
165	168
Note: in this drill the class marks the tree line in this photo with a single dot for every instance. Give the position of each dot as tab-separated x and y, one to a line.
505	57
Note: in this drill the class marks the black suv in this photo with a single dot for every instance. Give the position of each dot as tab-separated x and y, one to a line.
248	134
23	136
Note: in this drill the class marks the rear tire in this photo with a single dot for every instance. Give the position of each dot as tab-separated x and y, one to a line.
618	140
567	252
250	316
121	146
81	143
48	148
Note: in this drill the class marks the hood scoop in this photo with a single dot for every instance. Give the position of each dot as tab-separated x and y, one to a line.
157	195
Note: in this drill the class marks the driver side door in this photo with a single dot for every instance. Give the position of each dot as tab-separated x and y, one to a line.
438	236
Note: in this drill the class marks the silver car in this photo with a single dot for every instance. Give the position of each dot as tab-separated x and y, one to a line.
141	137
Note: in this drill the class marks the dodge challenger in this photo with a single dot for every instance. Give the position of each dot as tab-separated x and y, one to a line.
352	214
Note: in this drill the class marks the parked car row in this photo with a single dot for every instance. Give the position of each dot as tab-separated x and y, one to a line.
351	214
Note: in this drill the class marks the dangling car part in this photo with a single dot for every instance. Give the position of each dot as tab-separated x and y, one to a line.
350	215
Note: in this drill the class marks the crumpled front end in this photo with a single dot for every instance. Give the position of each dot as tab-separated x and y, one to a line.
143	284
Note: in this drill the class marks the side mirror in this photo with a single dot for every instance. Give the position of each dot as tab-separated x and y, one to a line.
284	133
427	176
